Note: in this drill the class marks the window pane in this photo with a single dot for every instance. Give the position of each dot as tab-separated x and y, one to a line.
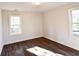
76	27
15	20
15	25
75	20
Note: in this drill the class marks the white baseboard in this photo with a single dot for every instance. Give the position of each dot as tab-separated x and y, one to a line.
1	49
14	41
61	42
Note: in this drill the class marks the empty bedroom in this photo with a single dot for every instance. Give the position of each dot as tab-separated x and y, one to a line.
39	28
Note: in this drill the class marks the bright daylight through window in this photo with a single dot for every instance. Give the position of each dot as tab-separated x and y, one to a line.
15	25
75	22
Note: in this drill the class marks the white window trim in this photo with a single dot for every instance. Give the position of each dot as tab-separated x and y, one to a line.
71	36
20	24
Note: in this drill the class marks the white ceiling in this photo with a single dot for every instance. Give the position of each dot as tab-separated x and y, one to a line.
28	6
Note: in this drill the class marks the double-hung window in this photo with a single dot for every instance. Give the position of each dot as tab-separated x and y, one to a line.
15	25
75	22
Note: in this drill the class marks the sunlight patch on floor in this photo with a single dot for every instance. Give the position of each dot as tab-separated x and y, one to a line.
42	52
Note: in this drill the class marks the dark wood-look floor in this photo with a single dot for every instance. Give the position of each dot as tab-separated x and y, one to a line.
19	48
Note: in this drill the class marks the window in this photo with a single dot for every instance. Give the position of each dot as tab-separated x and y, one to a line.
15	25
75	21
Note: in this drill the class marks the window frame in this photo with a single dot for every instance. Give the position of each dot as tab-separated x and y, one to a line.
20	25
71	35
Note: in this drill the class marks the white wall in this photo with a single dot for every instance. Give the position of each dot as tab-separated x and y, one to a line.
31	26
53	24
1	44
56	26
